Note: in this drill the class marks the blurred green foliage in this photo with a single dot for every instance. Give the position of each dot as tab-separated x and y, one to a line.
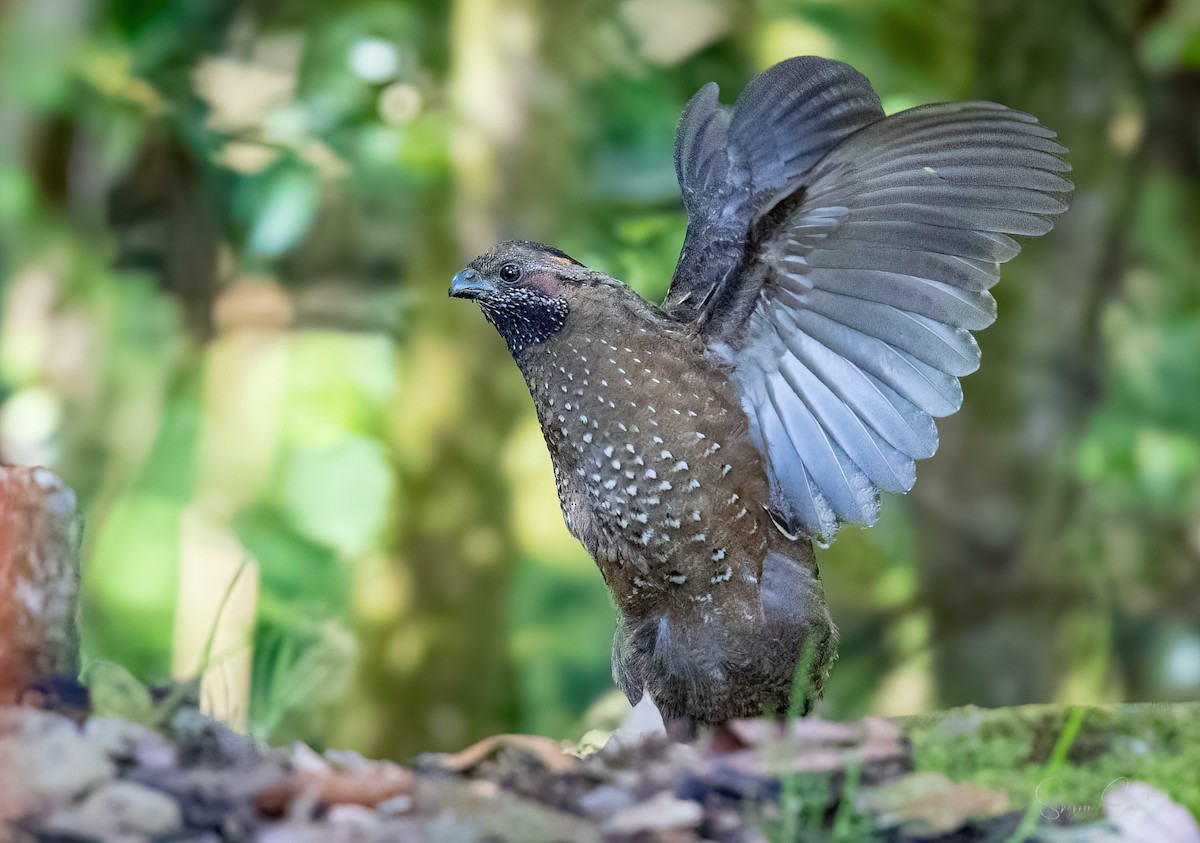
226	230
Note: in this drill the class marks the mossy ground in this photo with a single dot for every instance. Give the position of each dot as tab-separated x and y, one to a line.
1008	748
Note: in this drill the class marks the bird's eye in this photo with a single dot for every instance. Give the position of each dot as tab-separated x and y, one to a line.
510	272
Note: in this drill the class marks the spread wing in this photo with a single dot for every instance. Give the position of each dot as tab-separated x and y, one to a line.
734	163
847	311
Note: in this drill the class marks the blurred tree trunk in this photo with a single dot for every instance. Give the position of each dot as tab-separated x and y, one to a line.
458	542
165	226
1012	603
39	581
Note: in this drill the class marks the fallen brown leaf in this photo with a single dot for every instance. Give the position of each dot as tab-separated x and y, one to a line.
546	751
365	783
930	804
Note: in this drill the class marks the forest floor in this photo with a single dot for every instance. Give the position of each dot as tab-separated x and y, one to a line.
1041	773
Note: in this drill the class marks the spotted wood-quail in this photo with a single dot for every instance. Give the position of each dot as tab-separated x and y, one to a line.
834	263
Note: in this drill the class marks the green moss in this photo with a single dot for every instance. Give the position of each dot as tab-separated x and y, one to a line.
1008	748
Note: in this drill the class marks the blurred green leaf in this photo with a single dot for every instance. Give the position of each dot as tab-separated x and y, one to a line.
284	205
340	495
114	692
17	193
292	568
298	667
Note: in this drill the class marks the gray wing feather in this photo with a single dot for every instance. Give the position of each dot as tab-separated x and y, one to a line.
838	260
734	163
930	390
945	347
700	161
790	116
813	372
861	290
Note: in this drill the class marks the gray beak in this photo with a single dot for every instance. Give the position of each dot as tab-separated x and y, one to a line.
469	284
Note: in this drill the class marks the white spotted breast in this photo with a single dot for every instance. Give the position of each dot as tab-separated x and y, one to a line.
655	468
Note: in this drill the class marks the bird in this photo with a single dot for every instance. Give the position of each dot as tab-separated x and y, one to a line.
835	262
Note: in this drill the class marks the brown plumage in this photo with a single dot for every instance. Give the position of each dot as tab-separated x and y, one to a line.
816	323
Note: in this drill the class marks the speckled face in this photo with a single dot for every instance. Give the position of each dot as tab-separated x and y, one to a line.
520	287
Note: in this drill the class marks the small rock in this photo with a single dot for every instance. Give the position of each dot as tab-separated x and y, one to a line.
485	788
296	832
130	743
877	747
625	779
119	808
205	742
305	759
1097	832
721	782
353	816
45	762
1147	815
662	813
459	814
451	828
605	801
395	806
730	823
226	801
348	759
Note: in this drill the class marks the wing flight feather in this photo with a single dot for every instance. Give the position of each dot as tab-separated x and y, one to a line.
838	260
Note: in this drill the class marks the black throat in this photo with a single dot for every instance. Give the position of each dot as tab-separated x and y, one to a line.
526	318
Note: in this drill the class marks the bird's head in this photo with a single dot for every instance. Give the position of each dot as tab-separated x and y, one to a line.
523	289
